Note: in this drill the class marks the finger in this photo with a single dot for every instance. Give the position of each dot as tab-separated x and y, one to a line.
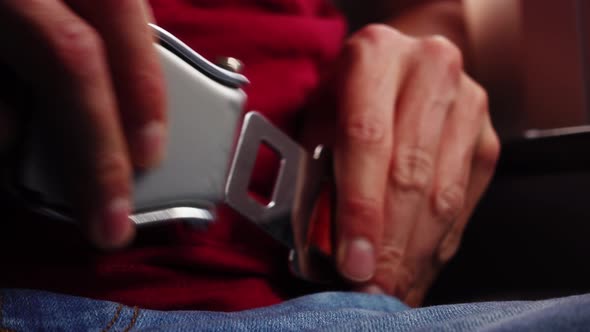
415	296
484	161
446	199
363	147
423	108
135	70
483	165
63	59
461	134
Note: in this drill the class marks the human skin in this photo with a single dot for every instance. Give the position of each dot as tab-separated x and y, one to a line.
414	152
94	62
414	147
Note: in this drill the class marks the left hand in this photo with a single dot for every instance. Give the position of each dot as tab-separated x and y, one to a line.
414	150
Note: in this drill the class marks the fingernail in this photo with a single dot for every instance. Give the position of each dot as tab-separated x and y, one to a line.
151	144
114	228
357	260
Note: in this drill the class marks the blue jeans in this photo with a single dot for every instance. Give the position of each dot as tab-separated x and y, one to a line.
25	310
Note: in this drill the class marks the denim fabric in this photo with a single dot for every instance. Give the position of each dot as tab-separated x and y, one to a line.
25	310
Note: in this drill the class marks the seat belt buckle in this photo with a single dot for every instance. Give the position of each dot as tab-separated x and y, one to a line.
209	159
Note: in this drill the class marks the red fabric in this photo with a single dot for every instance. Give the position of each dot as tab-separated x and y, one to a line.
232	266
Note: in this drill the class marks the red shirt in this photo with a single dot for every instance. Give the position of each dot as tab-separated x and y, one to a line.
232	266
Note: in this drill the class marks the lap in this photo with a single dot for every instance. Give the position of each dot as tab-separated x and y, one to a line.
24	310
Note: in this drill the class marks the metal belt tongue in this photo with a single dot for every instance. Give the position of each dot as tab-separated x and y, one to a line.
288	214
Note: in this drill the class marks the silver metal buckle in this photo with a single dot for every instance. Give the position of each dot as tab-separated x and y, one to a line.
287	216
274	218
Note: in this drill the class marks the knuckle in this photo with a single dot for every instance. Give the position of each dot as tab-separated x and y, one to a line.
488	151
112	169
449	247
449	202
365	209
412	170
389	256
443	52
77	46
389	259
365	130
374	35
376	32
481	98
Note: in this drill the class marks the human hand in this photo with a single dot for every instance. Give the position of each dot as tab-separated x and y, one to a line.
97	83
414	150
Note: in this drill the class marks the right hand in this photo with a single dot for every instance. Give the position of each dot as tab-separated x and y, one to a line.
414	150
93	68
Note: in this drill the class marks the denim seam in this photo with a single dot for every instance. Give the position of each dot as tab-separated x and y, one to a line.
114	320
133	319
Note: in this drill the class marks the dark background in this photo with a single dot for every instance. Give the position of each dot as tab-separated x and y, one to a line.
529	237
